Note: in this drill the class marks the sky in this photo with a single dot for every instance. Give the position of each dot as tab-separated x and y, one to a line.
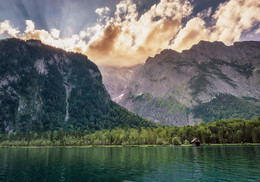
127	32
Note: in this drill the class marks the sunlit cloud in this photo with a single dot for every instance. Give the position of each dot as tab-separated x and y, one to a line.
102	11
7	28
132	40
55	33
192	33
231	20
235	17
128	38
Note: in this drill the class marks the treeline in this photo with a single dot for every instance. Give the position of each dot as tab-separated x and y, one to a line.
219	132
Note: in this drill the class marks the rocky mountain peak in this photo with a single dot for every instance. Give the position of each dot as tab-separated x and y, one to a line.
165	55
205	45
176	88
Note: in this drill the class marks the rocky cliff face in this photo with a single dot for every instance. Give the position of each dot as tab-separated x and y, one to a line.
116	79
44	88
210	81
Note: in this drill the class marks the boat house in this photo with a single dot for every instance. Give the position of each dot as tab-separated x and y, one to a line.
195	142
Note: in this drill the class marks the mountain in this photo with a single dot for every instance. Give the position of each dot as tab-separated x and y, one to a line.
43	88
116	79
210	81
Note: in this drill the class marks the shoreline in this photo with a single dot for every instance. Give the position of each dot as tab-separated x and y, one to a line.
128	146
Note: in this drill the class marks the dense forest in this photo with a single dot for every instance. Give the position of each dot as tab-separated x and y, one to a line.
43	88
218	132
226	106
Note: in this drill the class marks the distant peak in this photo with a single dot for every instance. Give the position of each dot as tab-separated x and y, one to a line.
168	54
205	44
169	51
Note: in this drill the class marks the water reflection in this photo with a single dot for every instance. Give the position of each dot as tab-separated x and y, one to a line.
235	163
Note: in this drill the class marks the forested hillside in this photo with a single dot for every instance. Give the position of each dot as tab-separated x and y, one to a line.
43	88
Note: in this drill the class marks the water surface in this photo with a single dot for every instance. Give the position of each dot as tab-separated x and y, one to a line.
208	163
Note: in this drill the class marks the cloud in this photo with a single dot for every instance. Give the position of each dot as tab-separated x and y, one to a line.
133	39
55	33
257	31
126	11
105	44
205	13
230	20
7	28
73	43
102	11
126	37
192	33
235	17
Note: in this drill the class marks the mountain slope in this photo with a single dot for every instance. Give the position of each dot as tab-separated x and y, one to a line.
43	88
116	79
174	88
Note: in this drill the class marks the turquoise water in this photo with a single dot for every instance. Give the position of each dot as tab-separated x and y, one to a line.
209	163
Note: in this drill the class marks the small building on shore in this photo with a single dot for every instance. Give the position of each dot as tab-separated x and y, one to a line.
195	142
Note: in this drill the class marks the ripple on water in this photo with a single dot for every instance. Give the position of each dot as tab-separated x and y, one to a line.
218	163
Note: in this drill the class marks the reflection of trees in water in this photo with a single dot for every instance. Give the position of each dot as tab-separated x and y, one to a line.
129	163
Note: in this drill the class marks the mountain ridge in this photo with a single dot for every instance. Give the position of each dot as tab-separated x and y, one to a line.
171	81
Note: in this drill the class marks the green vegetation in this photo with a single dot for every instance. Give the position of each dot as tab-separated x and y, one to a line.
227	106
163	109
38	83
219	132
170	103
251	99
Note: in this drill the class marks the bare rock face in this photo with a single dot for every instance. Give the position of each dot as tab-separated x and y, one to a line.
175	88
116	79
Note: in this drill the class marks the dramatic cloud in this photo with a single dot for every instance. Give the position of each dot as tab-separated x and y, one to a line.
106	42
6	28
127	40
230	20
192	33
235	17
73	43
125	37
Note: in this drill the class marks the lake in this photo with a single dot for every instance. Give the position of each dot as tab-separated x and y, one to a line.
207	163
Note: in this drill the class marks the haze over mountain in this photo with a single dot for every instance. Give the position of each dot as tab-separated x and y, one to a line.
207	82
43	88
